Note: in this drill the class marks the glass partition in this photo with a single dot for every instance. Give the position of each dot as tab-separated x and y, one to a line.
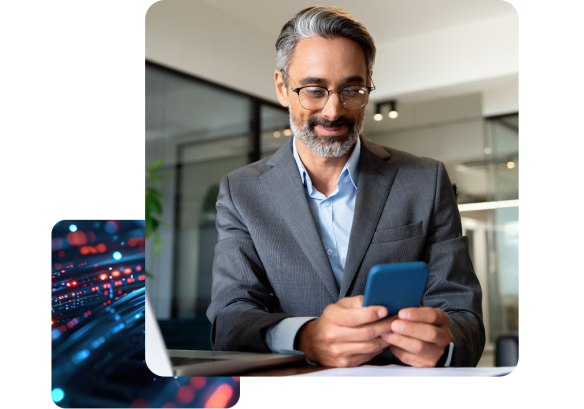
502	154
201	131
275	130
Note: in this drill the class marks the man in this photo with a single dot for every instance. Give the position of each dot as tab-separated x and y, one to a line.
299	231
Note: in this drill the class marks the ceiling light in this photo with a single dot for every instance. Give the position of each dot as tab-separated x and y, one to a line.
276	134
510	165
287	132
378	116
392	110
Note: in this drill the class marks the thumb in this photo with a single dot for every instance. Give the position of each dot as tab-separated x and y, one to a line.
351	302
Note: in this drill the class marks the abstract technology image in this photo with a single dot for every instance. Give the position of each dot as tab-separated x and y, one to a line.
97	329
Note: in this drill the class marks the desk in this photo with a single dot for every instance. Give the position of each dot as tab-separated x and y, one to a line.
286	370
386	371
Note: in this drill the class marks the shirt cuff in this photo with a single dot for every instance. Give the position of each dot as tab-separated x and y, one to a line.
449	357
280	336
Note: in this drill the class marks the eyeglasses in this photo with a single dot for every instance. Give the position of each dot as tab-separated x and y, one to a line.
315	97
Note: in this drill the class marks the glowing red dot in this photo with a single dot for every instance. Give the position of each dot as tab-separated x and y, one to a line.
138	268
52	322
61	253
109	301
74	283
185	395
62	271
103	276
141	278
127	270
119	292
140	403
106	293
198	382
115	273
70	324
104	303
68	284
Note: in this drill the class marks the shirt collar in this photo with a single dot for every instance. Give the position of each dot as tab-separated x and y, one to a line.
352	165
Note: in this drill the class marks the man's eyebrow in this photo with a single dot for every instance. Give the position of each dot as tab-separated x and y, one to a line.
318	80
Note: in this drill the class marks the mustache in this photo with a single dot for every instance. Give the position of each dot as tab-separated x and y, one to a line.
337	123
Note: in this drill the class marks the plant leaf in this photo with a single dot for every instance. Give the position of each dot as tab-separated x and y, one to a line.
155	166
157	243
154	178
162	222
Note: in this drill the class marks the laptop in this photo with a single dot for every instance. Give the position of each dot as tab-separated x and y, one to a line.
164	362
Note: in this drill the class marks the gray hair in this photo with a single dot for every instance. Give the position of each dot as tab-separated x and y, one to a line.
324	22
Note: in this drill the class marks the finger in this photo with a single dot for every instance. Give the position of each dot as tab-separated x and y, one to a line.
422	331
425	314
347	349
347	361
408	358
414	346
364	332
353	317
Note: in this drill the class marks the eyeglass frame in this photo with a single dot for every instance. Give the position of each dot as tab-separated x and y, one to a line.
297	91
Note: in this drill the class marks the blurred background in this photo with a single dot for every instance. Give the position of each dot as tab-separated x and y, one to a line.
450	68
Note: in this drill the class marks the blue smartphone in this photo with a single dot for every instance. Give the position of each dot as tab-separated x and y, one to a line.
396	286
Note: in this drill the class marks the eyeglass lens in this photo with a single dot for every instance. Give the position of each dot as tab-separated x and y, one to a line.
315	98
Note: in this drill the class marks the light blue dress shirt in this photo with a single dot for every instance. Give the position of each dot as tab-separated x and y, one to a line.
333	216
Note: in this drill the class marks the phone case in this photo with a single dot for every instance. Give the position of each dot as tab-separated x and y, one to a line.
396	286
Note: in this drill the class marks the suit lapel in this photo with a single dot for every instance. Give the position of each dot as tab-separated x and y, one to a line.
376	177
283	185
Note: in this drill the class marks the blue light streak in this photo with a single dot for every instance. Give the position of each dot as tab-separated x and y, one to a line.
80	356
55	333
118	328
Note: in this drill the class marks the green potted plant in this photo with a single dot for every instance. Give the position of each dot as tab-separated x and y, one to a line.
154	209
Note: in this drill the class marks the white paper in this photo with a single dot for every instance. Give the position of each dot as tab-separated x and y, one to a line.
396	370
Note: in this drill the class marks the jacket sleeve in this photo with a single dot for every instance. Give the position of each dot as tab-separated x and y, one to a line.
242	300
453	285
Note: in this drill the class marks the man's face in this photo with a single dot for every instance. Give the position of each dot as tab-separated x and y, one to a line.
334	63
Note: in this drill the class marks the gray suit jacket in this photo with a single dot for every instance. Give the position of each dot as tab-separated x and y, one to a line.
270	262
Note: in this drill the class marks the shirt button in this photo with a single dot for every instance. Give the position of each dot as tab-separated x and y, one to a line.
327	204
329	252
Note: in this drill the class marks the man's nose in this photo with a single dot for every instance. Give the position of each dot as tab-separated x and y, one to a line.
333	108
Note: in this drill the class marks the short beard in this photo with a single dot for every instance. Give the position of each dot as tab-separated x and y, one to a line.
327	146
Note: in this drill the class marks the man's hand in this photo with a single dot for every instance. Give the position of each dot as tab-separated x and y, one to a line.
346	334
419	336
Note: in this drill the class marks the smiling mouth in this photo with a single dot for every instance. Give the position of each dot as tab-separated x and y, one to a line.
331	131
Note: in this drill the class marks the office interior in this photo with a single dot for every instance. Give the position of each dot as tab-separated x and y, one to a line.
449	66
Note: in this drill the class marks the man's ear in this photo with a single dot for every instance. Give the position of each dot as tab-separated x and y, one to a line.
281	90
